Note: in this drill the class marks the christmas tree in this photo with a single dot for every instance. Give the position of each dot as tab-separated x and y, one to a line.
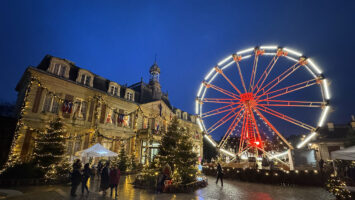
49	149
122	163
133	164
176	149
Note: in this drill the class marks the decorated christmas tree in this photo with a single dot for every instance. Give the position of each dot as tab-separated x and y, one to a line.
122	163
49	149
176	149
133	164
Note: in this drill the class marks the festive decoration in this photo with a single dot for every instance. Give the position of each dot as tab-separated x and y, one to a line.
176	149
250	101
337	187
275	176
49	148
122	160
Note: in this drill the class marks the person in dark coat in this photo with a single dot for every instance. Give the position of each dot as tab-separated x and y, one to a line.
114	179
219	173
99	168
104	184
86	176
321	165
75	177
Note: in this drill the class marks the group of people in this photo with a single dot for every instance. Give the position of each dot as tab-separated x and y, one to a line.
109	177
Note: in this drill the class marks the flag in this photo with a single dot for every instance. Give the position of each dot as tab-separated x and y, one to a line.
108	119
126	119
67	106
120	119
160	109
157	126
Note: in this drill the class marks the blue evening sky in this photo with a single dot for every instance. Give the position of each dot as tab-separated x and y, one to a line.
119	39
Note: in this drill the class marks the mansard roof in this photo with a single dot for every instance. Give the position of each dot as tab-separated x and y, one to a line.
143	91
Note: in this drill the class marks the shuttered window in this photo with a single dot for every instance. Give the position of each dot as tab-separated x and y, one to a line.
37	99
103	113
91	112
84	106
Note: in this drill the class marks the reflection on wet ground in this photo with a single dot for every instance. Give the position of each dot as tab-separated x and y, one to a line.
231	190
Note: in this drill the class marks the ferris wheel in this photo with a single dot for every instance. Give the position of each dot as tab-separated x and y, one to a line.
259	93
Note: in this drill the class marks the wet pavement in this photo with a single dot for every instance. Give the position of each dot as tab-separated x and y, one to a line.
231	190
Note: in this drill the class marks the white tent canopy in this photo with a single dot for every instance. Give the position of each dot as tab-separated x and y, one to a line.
344	154
96	150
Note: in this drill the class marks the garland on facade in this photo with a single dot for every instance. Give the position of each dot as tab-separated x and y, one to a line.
13	158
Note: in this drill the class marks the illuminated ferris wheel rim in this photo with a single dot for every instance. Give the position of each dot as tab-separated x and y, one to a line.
292	55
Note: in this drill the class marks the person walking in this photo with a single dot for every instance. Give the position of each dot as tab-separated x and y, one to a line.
104	183
114	179
75	177
99	168
86	176
219	174
321	165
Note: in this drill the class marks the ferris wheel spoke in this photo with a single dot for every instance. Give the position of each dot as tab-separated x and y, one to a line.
286	118
273	128
289	89
226	92
237	58
223	120
229	131
220	71
283	103
220	100
219	110
257	52
281	77
255	125
241	144
266	73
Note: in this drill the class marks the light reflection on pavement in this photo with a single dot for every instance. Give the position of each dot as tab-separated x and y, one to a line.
231	190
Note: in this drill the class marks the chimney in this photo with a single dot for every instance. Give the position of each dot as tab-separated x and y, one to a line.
352	123
330	126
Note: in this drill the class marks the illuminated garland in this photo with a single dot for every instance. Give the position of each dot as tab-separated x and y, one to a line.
337	187
13	158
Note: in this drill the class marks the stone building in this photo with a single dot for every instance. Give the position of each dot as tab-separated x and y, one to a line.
333	137
96	110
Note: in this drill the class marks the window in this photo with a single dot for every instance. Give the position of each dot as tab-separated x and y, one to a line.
185	116
59	70
81	108
50	104
85	79
178	114
114	90
130	96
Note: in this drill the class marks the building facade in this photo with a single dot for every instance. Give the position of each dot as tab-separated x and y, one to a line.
333	137
96	110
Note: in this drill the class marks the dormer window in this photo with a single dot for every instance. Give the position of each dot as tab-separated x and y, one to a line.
59	69
130	96
184	116
178	114
85	79
113	90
